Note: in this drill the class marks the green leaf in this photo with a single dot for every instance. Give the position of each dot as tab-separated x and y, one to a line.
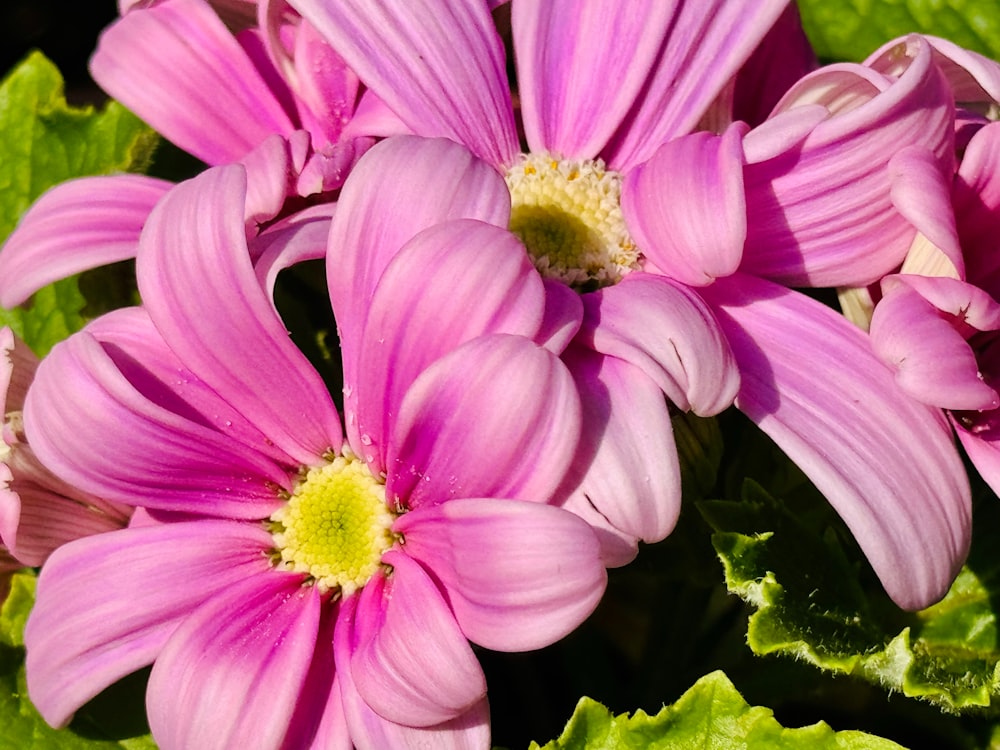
15	609
711	714
853	29
811	606
44	141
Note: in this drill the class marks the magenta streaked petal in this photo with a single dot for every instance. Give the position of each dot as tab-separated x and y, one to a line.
518	576
822	212
930	356
75	226
562	49
200	89
418	684
977	206
269	167
373	118
475	279
563	316
284	246
706	45
232	673
499	396
400	187
82	638
94	429
668	332
468	731
627	466
439	66
982	444
222	325
886	463
686	208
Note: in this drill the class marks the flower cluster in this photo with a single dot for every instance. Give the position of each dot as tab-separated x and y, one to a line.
528	285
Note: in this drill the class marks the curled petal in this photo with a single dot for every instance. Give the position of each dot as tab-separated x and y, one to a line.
886	463
977	206
497	396
517	575
75	226
82	638
686	209
439	66
668	332
418	685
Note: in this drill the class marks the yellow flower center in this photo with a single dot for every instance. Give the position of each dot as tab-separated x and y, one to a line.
568	214
335	526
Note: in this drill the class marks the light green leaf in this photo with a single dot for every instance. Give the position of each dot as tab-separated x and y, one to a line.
712	714
16	607
811	606
44	141
852	29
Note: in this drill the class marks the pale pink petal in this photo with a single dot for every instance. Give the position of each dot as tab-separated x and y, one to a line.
438	65
626	467
686	209
399	188
669	333
518	576
706	45
75	226
470	420
475	279
886	463
222	325
929	351
821	214
418	683
562	49
199	89
82	637
370	731
233	673
93	428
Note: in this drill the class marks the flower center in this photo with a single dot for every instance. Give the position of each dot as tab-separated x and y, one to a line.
335	526
568	214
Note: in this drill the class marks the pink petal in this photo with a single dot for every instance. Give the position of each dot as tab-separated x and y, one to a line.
286	245
563	316
821	213
518	576
469	421
17	369
82	637
562	49
977	206
93	428
475	279
981	442
199	89
373	118
222	325
627	466
468	731
75	226
686	209
706	44
668	332
417	683
928	352
886	463
234	671
439	66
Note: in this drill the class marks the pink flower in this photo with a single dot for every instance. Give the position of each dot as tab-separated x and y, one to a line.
277	102
38	511
671	237
267	625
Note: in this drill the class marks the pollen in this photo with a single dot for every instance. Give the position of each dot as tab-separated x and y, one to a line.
335	526
568	215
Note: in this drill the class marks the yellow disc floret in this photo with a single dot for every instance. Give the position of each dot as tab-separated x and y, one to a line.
335	526
568	214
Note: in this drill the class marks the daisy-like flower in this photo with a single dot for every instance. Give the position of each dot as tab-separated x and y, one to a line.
669	236
38	511
277	102
293	588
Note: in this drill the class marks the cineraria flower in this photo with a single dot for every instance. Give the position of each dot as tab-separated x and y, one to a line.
277	102
283	571
38	511
661	231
